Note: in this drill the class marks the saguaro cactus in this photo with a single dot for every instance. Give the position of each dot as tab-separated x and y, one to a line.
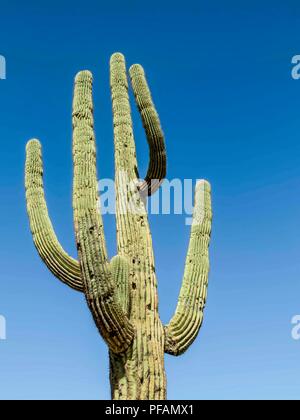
122	293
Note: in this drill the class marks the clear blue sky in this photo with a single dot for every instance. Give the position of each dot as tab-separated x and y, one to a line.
220	77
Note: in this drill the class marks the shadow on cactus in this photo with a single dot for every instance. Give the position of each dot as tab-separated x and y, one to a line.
122	293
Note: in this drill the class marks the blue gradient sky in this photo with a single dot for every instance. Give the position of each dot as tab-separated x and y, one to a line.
220	77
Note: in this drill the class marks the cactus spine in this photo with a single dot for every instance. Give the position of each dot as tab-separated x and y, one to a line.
122	293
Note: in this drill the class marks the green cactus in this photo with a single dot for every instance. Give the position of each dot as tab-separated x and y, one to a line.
122	293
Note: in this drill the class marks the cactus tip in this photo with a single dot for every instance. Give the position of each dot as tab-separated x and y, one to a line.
136	69
33	144
203	184
117	57
84	75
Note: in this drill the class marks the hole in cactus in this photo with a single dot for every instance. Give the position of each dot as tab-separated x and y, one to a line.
133	286
149	307
107	296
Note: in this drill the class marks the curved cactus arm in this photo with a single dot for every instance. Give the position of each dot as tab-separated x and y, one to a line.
185	324
100	289
155	137
64	267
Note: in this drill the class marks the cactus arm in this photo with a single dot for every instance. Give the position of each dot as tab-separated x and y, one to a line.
155	137
100	289
64	267
185	324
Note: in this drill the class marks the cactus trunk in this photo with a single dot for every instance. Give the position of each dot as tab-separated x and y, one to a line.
140	373
121	293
